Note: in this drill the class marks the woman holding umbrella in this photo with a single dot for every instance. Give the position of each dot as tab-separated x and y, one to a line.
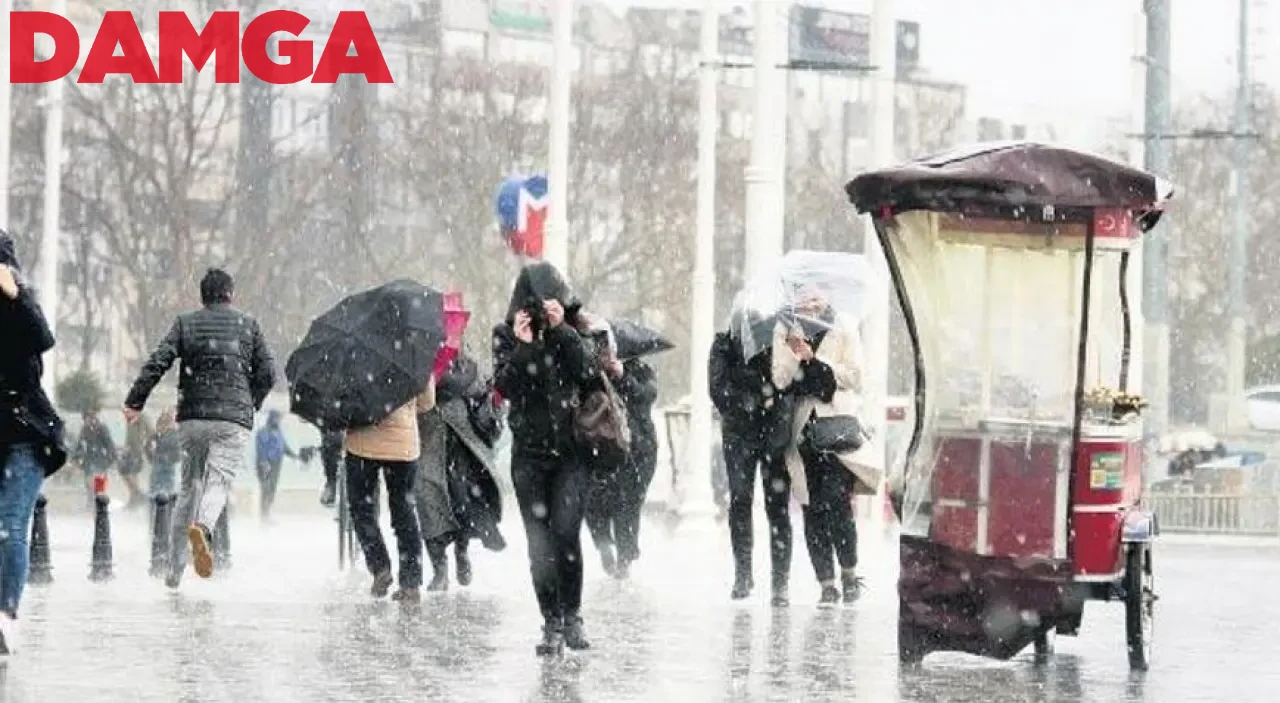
542	366
369	366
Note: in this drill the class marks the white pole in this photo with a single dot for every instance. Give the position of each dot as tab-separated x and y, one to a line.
556	236
49	263
5	116
697	499
764	175
884	58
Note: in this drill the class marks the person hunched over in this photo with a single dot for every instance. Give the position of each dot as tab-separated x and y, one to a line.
755	431
817	359
541	367
458	498
32	443
227	371
616	498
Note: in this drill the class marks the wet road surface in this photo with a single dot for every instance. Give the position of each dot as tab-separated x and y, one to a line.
286	625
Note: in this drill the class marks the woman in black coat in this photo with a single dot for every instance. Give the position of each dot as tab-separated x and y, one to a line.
617	498
32	446
541	367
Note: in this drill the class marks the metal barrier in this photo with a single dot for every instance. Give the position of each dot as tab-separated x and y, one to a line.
1208	513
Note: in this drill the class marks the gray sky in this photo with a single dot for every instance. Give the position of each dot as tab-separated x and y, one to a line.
1031	60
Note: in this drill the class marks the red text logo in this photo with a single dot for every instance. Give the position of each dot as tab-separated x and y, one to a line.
220	39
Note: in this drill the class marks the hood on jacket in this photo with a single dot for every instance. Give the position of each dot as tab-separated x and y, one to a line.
539	282
458	379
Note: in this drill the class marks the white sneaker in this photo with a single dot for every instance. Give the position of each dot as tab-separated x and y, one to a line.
8	635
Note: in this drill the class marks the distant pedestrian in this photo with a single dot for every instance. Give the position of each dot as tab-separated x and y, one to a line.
138	440
32	446
166	455
271	450
226	373
331	442
95	450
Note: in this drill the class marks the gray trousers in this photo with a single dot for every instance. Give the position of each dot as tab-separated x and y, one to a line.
212	451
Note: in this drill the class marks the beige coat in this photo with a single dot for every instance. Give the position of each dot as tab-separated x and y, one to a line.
841	349
396	437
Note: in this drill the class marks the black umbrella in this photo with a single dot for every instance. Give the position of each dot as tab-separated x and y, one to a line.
636	340
370	354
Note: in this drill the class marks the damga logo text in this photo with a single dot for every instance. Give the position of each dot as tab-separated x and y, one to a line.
118	48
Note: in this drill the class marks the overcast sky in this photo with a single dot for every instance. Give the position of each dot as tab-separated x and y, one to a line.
1032	59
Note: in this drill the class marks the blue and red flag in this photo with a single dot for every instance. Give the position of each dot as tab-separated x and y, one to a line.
521	207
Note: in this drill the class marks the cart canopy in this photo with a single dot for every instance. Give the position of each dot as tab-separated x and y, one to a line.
1010	176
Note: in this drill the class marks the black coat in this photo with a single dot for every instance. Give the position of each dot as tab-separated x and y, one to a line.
638	388
226	372
95	449
750	407
543	379
26	415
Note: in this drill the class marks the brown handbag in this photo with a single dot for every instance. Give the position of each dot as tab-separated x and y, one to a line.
601	429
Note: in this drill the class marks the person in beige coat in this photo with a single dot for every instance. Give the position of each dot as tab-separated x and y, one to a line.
390	448
817	357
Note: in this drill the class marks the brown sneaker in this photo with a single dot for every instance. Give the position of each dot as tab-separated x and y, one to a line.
201	554
381	584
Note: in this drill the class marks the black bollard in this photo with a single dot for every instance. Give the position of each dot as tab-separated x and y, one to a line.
41	572
100	568
222	542
161	534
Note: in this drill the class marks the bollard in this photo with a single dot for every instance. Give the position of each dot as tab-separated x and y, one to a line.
161	534
100	567
222	542
41	572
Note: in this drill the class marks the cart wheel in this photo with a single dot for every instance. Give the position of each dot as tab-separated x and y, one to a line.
1044	646
1139	605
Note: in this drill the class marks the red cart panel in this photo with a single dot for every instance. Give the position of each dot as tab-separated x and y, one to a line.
1024	480
1108	484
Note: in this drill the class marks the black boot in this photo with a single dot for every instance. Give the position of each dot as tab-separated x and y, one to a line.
608	561
552	644
742	586
329	495
575	635
852	585
439	567
463	565
830	596
781	592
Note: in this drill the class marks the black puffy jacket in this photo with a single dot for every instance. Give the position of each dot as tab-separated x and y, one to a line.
226	371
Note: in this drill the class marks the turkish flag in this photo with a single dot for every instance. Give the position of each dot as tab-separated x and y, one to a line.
1112	222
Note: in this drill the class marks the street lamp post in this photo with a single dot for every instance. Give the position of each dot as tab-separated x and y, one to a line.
696	500
49	260
766	190
556	234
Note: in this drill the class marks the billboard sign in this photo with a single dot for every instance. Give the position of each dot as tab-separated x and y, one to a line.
822	36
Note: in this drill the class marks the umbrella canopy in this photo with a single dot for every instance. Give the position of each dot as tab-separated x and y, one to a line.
805	288
635	340
369	355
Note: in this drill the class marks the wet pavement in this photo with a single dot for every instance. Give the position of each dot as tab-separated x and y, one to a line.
285	625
